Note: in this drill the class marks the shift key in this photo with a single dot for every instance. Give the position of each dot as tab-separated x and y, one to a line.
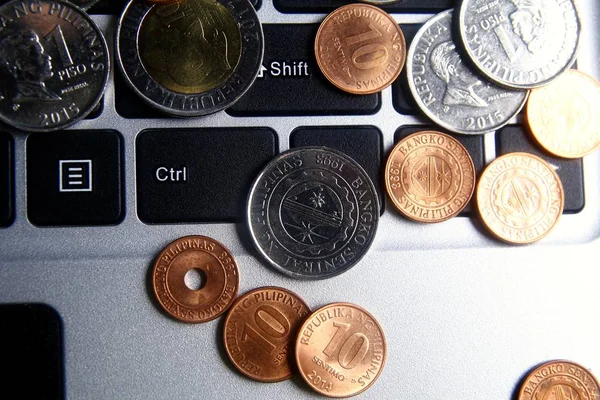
290	82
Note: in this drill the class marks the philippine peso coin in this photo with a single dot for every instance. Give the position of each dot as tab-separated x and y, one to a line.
360	48
340	350
208	258
563	115
560	379
190	58
520	43
446	89
313	213
430	176
260	332
520	198
54	65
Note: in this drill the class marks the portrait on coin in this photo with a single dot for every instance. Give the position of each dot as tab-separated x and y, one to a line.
529	22
460	82
24	59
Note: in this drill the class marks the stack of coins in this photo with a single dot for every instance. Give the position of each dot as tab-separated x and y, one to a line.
54	64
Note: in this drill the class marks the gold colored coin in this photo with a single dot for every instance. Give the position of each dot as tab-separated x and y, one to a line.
560	379
260	332
564	116
190	47
340	350
207	257
520	198
429	176
360	48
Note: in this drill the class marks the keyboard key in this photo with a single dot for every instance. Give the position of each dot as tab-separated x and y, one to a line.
291	83
362	144
75	178
6	179
513	138
199	175
417	6
404	101
473	144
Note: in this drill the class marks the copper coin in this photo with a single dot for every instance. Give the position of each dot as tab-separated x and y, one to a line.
564	116
207	257
360	48
560	379
520	198
340	350
260	330
430	176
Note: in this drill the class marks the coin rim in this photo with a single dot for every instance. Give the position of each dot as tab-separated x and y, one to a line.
155	267
389	191
413	89
553	150
547	363
562	199
461	27
297	348
292	334
104	85
322	66
253	189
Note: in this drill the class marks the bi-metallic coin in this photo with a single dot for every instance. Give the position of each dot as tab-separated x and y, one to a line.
563	116
260	332
430	176
340	350
520	198
54	65
360	48
560	380
190	58
520	43
448	91
207	258
313	213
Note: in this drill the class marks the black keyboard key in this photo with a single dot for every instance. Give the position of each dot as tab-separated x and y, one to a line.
292	84
306	6
75	178
513	138
31	349
404	101
6	179
199	175
362	143
473	144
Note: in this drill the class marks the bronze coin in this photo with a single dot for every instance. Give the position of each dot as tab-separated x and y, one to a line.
260	330
560	379
360	48
207	257
430	176
340	350
520	198
563	116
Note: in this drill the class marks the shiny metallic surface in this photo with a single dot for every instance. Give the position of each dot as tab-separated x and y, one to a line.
192	58
560	380
260	333
563	115
313	213
54	65
448	91
360	49
429	176
520	43
450	298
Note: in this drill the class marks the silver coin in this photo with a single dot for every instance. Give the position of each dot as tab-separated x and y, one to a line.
54	65
84	4
313	213
448	91
521	44
190	58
